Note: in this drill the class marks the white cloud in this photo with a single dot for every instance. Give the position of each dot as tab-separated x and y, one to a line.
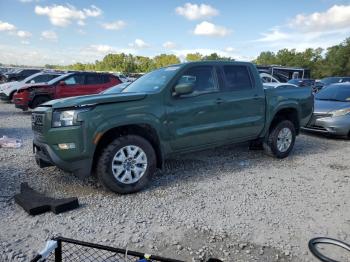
60	15
49	35
116	25
139	43
25	42
4	26
229	49
99	50
208	29
169	45
319	29
195	12
94	11
81	32
29	1
274	34
335	18
24	34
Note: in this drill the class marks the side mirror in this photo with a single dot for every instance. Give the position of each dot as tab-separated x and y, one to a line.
32	81
183	89
62	83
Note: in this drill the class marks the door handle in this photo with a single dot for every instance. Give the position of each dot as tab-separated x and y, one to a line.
256	97
219	101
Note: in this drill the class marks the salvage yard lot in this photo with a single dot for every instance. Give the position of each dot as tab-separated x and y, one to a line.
241	205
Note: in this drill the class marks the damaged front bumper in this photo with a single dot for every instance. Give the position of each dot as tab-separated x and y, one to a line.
45	157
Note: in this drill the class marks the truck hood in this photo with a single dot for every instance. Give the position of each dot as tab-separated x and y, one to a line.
324	106
96	99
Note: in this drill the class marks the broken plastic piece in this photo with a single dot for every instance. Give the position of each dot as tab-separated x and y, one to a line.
6	142
35	203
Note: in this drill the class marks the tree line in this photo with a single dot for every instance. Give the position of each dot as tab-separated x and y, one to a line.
127	63
333	61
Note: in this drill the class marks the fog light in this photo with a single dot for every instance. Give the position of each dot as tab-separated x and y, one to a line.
66	146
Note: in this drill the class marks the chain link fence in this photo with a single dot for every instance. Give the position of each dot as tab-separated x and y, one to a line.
64	249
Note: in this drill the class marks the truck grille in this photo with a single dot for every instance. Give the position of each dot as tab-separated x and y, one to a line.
37	122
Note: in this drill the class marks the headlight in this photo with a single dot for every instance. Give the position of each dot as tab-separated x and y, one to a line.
67	118
340	112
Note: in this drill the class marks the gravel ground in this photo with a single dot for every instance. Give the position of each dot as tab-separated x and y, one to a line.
230	202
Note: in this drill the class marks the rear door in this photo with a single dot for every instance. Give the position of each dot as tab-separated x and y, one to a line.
96	83
243	105
73	86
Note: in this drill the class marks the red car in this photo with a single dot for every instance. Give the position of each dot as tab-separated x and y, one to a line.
71	84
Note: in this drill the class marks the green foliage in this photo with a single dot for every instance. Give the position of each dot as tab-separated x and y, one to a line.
165	60
194	57
335	61
215	56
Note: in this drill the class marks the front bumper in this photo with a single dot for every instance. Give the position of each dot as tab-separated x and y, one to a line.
45	156
4	97
327	124
21	100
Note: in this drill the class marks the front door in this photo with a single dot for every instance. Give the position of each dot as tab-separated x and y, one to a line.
192	118
73	86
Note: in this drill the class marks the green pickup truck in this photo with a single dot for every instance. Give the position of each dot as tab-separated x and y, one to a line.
124	137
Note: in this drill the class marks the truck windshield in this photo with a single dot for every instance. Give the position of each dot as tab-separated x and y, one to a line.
154	81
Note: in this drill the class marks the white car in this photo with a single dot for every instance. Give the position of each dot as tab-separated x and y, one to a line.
8	89
267	78
122	77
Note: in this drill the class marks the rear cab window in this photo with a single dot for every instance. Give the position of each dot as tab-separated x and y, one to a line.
237	78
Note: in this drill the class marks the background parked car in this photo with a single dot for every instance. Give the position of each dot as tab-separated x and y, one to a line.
332	111
305	83
331	80
267	78
116	89
123	77
277	85
7	90
19	74
71	84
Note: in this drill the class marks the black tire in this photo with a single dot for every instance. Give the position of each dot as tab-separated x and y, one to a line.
270	144
104	165
38	101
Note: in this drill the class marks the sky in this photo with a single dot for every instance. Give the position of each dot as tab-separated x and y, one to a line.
39	32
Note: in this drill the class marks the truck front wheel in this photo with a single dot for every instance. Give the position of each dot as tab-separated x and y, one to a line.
280	140
126	164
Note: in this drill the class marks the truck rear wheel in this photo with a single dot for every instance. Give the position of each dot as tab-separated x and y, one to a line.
280	140
126	164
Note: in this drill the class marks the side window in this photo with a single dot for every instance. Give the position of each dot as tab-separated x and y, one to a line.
105	79
50	77
202	78
40	79
75	80
92	79
237	78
